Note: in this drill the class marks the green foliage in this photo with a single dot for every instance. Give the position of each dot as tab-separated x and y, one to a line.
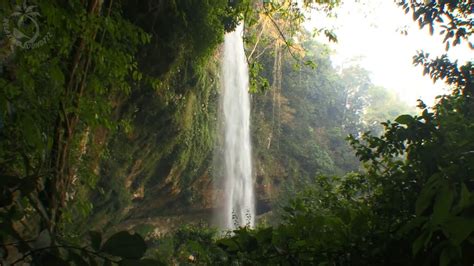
121	248
182	30
51	98
187	245
428	156
452	17
413	205
423	163
383	105
291	120
144	230
258	84
300	124
169	148
330	222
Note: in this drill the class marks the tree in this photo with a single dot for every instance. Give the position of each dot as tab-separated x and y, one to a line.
427	158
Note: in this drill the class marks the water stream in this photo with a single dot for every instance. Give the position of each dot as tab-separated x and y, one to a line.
239	199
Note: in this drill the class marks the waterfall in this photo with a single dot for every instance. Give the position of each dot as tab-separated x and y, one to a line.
239	202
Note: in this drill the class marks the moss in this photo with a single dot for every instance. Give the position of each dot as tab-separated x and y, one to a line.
188	114
144	229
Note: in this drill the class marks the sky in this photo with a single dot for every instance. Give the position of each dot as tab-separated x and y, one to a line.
368	31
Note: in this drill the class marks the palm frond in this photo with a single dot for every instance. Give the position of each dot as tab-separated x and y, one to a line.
30	9
34	14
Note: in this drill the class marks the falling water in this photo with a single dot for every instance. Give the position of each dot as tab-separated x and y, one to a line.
239	195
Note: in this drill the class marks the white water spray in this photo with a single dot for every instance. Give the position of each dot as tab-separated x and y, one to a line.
239	193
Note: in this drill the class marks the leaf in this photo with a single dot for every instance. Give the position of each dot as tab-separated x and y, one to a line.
310	64
458	229
423	202
443	202
96	239
264	235
125	245
408	227
426	196
449	255
404	119
444	258
463	198
229	244
421	241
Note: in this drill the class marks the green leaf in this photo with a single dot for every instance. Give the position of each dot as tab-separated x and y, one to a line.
421	242
450	254
444	258
463	198
408	227
310	63
427	193
264	235
404	119
443	202
125	245
229	244
96	239
458	229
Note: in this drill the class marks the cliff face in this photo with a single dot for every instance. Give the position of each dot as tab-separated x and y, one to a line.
158	161
161	166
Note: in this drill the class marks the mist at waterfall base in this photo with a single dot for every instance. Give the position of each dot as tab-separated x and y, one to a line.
238	200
